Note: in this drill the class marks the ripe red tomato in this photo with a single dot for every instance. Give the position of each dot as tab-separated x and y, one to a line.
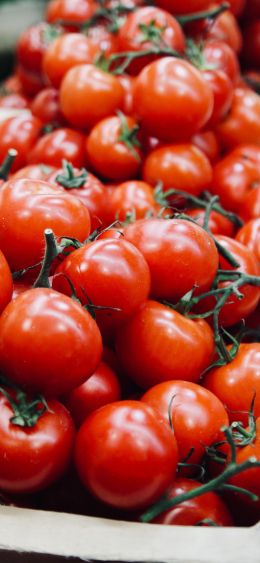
48	343
46	106
104	41
225	28
236	383
31	46
126	455
27	208
242	125
187	7
218	225
64	53
208	143
222	57
69	11
177	97
197	415
61	144
33	458
183	167
158	344
100	389
180	255
111	149
6	288
249	235
194	511
251	45
20	133
88	94
133	197
250	206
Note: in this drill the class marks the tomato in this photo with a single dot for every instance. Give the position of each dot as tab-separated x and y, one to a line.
222	90
182	167
31	46
158	344
126	455
251	46
69	11
243	124
187	7
33	458
46	107
176	95
222	57
61	144
20	133
111	273
88	95
112	150
100	389
208	143
66	52
21	230
48	343
197	415
6	283
225	28
250	207
180	255
249	152
105	41
13	100
133	197
34	172
218	224
146	28
236	382
249	235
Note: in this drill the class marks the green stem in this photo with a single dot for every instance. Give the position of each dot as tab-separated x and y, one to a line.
6	165
204	15
51	252
129	56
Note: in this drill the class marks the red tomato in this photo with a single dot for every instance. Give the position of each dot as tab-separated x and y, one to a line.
187	7
146	28
31	46
249	235
220	55
104	41
19	133
208	143
177	97
33	458
250	207
225	28
6	287
251	46
243	123
236	383
111	273
126	455
100	389
88	95
191	512
48	343
249	152
133	197
180	255
183	167
158	344
34	172
222	90
21	229
218	225
69	11
64	53
197	415
46	107
61	144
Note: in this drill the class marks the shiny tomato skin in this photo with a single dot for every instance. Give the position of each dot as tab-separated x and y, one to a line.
131	197
180	255
22	232
103	39
222	57
197	415
218	225
183	167
242	125
191	512
6	287
249	235
64	53
126	455
158	344
187	7
236	383
225	28
33	172
108	155
208	143
250	207
176	95
100	389
33	458
222	90
31	46
76	11
46	107
63	143
20	133
48	343
111	273
88	94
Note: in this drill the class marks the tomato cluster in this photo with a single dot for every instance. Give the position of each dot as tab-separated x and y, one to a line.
130	262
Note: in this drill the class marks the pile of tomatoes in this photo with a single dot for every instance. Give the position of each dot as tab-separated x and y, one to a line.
129	262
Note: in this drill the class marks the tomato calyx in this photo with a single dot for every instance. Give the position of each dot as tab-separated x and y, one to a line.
210	15
50	32
128	136
152	32
219	483
7	163
69	179
26	411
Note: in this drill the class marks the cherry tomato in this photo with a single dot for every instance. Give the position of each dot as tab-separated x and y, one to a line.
100	389
46	107
243	124
236	382
88	95
177	97
209	507
111	149
218	224
6	283
27	207
133	197
251	46
183	167
208	143
196	415
158	344
20	133
69	11
250	207
249	235
126	455
180	255
63	143
49	344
